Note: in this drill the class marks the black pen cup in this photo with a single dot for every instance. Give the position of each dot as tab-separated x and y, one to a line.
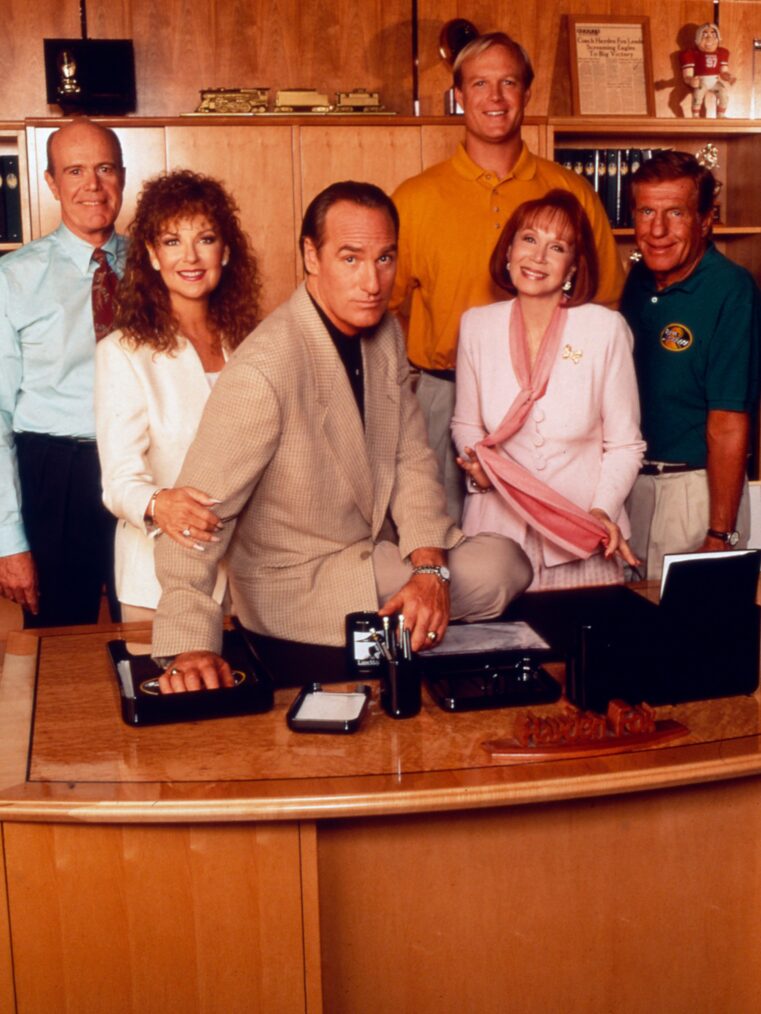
400	687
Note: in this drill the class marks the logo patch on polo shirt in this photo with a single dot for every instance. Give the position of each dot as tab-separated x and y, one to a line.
676	337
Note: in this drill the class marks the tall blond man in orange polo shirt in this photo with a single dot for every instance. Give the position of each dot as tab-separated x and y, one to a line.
451	217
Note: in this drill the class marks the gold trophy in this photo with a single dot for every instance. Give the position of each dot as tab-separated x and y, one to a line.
67	70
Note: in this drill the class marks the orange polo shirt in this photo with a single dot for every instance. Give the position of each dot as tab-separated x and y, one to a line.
451	218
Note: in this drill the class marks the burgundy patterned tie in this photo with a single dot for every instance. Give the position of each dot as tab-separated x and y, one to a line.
104	283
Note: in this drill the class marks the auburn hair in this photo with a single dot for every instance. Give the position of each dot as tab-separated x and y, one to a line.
562	210
144	311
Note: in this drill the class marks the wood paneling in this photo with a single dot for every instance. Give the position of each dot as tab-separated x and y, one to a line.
106	920
310	903
634	905
183	46
740	25
25	25
16	703
7	998
382	155
257	167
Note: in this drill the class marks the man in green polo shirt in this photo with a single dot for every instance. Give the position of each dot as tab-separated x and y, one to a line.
695	317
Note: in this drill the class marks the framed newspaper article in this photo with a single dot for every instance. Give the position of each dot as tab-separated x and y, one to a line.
611	65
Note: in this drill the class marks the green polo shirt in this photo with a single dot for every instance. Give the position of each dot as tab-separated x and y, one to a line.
696	348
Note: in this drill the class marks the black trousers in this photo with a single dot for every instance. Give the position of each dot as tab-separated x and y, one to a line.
70	532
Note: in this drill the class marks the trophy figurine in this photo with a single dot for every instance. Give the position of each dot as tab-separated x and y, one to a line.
67	69
708	157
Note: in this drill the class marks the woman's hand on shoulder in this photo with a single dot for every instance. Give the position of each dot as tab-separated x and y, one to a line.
184	515
616	542
474	469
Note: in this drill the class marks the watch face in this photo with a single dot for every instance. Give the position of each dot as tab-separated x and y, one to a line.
734	538
444	571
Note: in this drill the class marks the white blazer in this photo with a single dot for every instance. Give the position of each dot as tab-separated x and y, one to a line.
147	408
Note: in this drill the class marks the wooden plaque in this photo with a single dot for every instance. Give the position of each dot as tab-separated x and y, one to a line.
611	65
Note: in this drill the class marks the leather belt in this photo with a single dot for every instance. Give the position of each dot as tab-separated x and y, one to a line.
53	439
438	374
664	468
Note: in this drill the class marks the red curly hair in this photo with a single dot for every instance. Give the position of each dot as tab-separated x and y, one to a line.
144	311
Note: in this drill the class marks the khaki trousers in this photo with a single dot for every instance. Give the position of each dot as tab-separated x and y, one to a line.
669	514
488	571
436	397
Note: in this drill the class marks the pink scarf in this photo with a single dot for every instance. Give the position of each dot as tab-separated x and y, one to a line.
550	513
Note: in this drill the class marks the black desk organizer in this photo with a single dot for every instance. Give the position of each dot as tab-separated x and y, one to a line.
146	706
702	641
488	680
462	681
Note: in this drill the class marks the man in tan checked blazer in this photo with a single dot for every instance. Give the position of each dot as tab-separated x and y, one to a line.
315	446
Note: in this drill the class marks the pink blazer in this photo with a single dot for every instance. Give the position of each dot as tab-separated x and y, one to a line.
582	438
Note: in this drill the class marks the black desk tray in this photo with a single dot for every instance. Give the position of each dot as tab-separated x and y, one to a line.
501	682
142	704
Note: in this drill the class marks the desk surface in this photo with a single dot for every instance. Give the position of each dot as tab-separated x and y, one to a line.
65	754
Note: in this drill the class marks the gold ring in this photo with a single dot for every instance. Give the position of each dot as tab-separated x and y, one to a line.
432	636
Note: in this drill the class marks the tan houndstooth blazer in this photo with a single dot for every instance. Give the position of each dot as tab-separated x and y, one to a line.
306	489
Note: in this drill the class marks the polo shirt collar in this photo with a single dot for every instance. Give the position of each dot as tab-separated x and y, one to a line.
524	168
80	251
693	281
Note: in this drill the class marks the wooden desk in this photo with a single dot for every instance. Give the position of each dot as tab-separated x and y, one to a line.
234	866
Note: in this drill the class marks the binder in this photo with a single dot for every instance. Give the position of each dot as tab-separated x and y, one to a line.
613	187
631	159
11	198
590	160
602	177
564	157
2	204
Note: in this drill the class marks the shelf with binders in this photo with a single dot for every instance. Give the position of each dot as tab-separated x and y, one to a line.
736	143
14	189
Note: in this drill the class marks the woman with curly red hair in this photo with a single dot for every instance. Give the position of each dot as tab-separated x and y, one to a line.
189	296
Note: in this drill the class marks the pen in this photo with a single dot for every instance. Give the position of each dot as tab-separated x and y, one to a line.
375	636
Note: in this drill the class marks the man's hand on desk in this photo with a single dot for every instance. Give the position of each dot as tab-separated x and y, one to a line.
196	670
424	601
18	580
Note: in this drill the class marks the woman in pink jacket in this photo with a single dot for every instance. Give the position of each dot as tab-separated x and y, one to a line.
546	420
